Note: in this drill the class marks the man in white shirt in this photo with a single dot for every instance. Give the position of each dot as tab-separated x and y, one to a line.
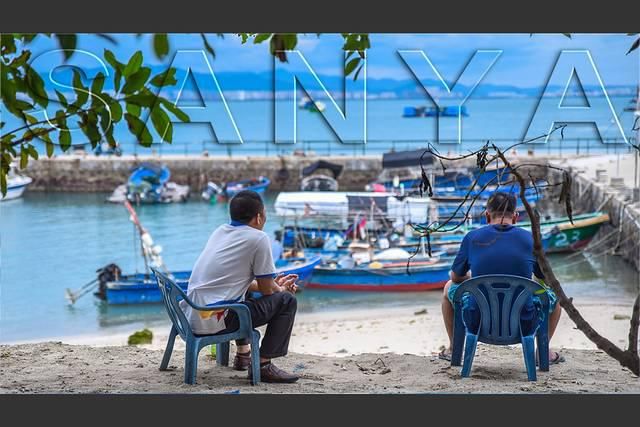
238	259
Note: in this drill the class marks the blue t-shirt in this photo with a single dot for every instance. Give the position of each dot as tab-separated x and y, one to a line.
497	249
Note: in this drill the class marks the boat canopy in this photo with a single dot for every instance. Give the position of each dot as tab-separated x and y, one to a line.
149	172
323	164
401	159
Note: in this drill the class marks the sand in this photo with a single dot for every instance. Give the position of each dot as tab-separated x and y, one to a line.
363	351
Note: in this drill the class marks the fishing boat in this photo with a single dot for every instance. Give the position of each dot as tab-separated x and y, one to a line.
563	236
313	106
143	289
402	173
386	207
149	183
213	191
447	111
320	176
381	277
16	185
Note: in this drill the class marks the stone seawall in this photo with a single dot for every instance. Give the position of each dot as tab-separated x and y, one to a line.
103	174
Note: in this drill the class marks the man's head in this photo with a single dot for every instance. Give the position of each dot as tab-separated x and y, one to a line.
501	208
247	207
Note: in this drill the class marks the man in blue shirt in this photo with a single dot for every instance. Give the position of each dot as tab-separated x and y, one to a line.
500	247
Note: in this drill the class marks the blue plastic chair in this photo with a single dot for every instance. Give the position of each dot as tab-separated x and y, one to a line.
171	296
500	299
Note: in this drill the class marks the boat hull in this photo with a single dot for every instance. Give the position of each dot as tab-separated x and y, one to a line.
143	289
14	192
380	280
16	187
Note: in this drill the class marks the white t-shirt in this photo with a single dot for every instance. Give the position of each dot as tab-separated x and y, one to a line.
234	256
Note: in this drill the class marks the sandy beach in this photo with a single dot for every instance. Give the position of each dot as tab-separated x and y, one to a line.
361	351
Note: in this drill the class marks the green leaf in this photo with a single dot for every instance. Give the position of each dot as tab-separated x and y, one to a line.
166	78
111	59
139	129
67	42
133	109
80	90
22	105
98	84
161	123
133	65
7	44
62	99
207	46
21	60
31	150
351	65
3	183
355	76
65	135
142	99
90	128
136	81
116	110
49	146
634	46
177	112
24	158
117	79
261	37
65	139
35	85
161	45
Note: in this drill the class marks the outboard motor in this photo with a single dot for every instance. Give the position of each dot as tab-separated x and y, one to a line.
108	273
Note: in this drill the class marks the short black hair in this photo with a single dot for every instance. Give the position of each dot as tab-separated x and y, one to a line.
245	205
500	202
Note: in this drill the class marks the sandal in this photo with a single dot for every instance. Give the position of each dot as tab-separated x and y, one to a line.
554	360
444	355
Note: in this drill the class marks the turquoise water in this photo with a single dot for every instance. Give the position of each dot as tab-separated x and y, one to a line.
50	242
500	120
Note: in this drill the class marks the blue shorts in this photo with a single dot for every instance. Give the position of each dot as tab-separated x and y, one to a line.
553	299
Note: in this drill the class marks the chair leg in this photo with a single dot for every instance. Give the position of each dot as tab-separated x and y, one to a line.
543	350
469	354
255	357
458	338
167	352
528	348
191	363
222	353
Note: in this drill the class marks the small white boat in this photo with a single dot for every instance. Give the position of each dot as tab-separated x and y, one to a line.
16	185
347	204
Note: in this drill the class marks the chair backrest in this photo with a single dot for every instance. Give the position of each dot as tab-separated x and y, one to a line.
171	296
500	299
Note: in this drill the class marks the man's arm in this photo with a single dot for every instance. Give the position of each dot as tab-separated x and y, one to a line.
460	267
269	285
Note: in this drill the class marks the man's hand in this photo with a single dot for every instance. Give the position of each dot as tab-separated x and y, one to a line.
288	282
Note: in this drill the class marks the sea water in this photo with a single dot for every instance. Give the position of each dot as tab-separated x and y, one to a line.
50	242
503	121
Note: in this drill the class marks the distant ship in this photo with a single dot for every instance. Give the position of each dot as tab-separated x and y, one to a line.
313	106
451	111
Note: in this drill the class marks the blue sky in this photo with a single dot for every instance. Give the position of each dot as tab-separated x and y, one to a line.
526	60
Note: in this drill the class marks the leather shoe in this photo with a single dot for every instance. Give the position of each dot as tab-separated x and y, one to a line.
270	373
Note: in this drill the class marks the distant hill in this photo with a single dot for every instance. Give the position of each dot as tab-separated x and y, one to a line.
248	85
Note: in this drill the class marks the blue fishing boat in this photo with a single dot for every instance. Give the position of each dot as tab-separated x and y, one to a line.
149	183
143	289
259	185
381	277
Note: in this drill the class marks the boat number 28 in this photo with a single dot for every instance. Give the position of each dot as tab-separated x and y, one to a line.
566	239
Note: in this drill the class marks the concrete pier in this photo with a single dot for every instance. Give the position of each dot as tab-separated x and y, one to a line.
88	173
